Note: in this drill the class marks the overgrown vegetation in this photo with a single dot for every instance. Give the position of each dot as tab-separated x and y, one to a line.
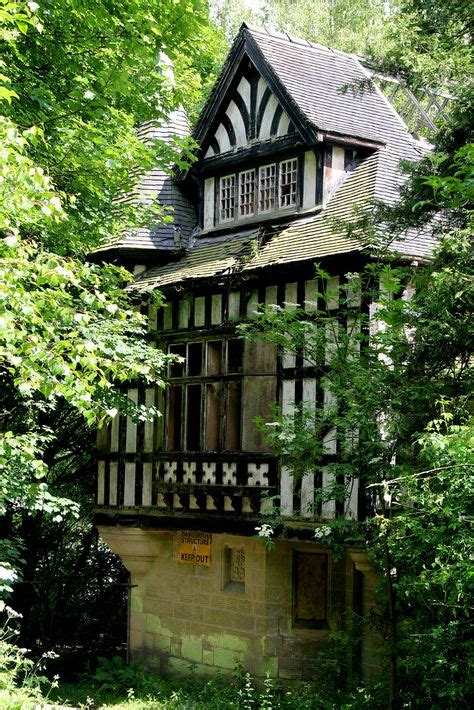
77	78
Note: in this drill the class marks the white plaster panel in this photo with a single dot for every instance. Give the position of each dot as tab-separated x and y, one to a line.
129	485
168	316
131	431
309	390
209	203
216	309
147	484
261	86
199	311
184	310
244	90
310	296
309	183
288	396
208	473
291	296
307	495
257	474
252	304
113	480
229	474
267	118
152	317
189	472
114	433
210	503
238	123
223	139
328	508
286	491
234	305
149	426
170	468
283	124
100	482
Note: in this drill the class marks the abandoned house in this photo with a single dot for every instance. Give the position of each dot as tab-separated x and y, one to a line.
284	154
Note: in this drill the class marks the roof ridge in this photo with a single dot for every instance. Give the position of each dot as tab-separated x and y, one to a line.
293	39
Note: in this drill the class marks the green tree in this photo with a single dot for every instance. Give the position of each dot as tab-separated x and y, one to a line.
77	80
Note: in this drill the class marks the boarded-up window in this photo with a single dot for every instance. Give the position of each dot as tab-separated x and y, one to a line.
232	417
310	590
174	427
193	418
213	416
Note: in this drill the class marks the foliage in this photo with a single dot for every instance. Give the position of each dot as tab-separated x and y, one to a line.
23	682
116	685
77	78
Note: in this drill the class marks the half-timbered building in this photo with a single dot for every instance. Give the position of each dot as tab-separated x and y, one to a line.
287	151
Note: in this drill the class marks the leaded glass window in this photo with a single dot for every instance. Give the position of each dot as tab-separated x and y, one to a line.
247	193
227	198
267	187
288	182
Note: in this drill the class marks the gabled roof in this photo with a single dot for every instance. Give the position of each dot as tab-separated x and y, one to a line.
319	88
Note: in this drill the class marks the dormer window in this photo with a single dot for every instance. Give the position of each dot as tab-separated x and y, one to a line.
263	190
227	198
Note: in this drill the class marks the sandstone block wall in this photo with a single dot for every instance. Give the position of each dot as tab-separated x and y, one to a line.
185	616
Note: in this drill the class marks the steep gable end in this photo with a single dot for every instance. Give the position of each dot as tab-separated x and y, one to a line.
250	113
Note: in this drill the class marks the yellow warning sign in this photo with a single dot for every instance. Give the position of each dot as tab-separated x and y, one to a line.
195	548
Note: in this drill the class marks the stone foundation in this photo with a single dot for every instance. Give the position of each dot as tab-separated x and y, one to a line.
213	620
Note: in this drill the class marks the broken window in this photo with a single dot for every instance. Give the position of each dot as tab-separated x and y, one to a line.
235	351
310	590
176	369
175	401
194	359
193	417
205	415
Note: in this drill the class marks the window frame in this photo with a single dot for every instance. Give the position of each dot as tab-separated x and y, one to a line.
224	378
277	207
234	177
315	624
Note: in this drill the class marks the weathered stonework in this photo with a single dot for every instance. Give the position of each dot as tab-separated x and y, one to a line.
185	616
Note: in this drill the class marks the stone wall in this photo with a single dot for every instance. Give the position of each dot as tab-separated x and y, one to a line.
184	615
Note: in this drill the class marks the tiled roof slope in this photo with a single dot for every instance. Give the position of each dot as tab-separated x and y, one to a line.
206	260
305	239
158	185
315	76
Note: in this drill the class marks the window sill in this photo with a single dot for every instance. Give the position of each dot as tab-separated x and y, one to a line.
256	221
